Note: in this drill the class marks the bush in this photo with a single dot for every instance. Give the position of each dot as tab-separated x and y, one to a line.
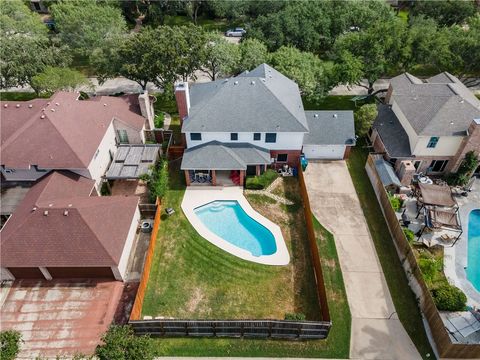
429	267
396	202
157	180
120	343
409	234
159	118
262	181
9	344
465	171
449	298
295	316
105	189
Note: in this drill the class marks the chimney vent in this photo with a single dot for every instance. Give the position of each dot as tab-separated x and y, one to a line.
65	213
30	106
253	82
45	213
18	105
42	116
53	110
5	106
316	115
335	115
34	208
235	83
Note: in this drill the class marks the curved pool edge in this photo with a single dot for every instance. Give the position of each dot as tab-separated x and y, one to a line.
195	197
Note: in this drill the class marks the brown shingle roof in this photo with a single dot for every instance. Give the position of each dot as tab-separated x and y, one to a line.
93	233
63	136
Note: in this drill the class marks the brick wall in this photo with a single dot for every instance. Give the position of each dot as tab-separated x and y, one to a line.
292	159
469	143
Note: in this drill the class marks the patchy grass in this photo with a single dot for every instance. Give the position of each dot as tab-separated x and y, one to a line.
259	199
220	25
334	102
165	102
191	277
403	297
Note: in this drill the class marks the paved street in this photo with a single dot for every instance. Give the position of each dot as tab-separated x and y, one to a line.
377	333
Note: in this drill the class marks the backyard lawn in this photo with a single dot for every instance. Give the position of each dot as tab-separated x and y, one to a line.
17	96
334	102
403	297
190	278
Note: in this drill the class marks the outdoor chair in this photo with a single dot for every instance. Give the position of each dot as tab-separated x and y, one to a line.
169	211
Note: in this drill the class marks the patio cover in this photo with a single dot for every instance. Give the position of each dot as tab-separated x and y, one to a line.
131	161
444	218
216	155
437	195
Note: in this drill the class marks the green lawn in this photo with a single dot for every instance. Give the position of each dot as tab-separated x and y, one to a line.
192	278
403	297
334	102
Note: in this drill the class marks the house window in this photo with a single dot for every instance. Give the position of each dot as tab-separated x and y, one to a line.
122	136
417	164
438	165
432	143
282	157
270	137
234	136
196	136
257	136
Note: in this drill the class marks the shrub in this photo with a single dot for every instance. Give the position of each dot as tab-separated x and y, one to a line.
449	298
409	234
159	118
262	181
465	171
105	189
396	202
9	344
429	268
295	316
120	343
157	180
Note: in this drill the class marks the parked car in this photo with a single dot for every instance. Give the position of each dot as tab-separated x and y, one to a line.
237	32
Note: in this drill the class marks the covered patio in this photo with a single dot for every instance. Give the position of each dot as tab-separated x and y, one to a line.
223	164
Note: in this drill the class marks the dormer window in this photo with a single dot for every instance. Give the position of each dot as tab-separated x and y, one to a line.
432	143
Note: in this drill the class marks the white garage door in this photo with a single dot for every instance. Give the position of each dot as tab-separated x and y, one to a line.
330	152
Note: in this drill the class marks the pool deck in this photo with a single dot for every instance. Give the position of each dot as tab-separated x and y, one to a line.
198	196
455	261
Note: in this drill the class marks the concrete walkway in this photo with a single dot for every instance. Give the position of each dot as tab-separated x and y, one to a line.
376	331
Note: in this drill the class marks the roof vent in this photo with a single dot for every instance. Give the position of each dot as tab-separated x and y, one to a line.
253	82
315	115
53	110
18	105
65	213
270	76
104	104
42	116
69	205
451	123
30	106
57	104
48	103
235	83
34	208
50	205
45	213
5	106
226	80
462	101
335	115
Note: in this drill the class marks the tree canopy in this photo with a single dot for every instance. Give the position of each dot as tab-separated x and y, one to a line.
252	53
86	24
364	118
120	343
445	12
219	57
53	79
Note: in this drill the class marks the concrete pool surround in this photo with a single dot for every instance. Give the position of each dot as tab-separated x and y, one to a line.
196	197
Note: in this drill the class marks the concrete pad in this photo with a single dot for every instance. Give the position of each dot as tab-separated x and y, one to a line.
381	339
356	253
372	299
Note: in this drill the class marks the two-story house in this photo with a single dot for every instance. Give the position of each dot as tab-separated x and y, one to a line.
252	121
429	125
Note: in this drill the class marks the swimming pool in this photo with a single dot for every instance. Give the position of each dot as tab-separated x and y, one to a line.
473	260
228	220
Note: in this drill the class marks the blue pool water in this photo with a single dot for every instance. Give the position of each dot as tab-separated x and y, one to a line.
473	264
228	220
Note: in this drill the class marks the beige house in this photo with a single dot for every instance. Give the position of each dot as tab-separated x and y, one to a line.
427	126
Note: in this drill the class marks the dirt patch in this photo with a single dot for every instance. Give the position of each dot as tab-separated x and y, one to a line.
195	300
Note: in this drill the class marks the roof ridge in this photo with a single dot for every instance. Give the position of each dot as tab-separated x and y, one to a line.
232	154
283	105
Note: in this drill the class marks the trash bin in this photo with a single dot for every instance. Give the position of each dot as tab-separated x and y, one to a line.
303	162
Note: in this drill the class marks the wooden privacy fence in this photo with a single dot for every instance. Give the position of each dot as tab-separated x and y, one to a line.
312	241
137	305
280	329
446	348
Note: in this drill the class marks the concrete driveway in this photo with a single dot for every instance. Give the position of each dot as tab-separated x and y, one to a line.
376	331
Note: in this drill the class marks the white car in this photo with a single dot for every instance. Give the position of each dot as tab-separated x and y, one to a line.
237	32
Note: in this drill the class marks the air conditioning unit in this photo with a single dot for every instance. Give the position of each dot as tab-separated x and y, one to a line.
146	226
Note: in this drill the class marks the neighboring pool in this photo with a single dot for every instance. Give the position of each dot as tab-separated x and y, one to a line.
228	220
473	261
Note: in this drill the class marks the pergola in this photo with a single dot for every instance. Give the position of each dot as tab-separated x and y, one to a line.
439	208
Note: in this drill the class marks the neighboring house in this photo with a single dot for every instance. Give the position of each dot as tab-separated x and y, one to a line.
60	231
427	126
252	121
65	133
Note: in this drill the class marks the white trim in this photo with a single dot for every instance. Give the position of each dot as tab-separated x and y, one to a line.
45	273
198	196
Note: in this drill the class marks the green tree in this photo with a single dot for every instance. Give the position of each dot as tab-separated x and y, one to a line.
445	12
252	53
191	41
120	343
364	118
219	57
85	24
25	48
306	69
371	53
449	298
54	78
10	341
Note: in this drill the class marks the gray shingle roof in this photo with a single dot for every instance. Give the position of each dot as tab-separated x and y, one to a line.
330	128
224	156
262	100
442	106
392	133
